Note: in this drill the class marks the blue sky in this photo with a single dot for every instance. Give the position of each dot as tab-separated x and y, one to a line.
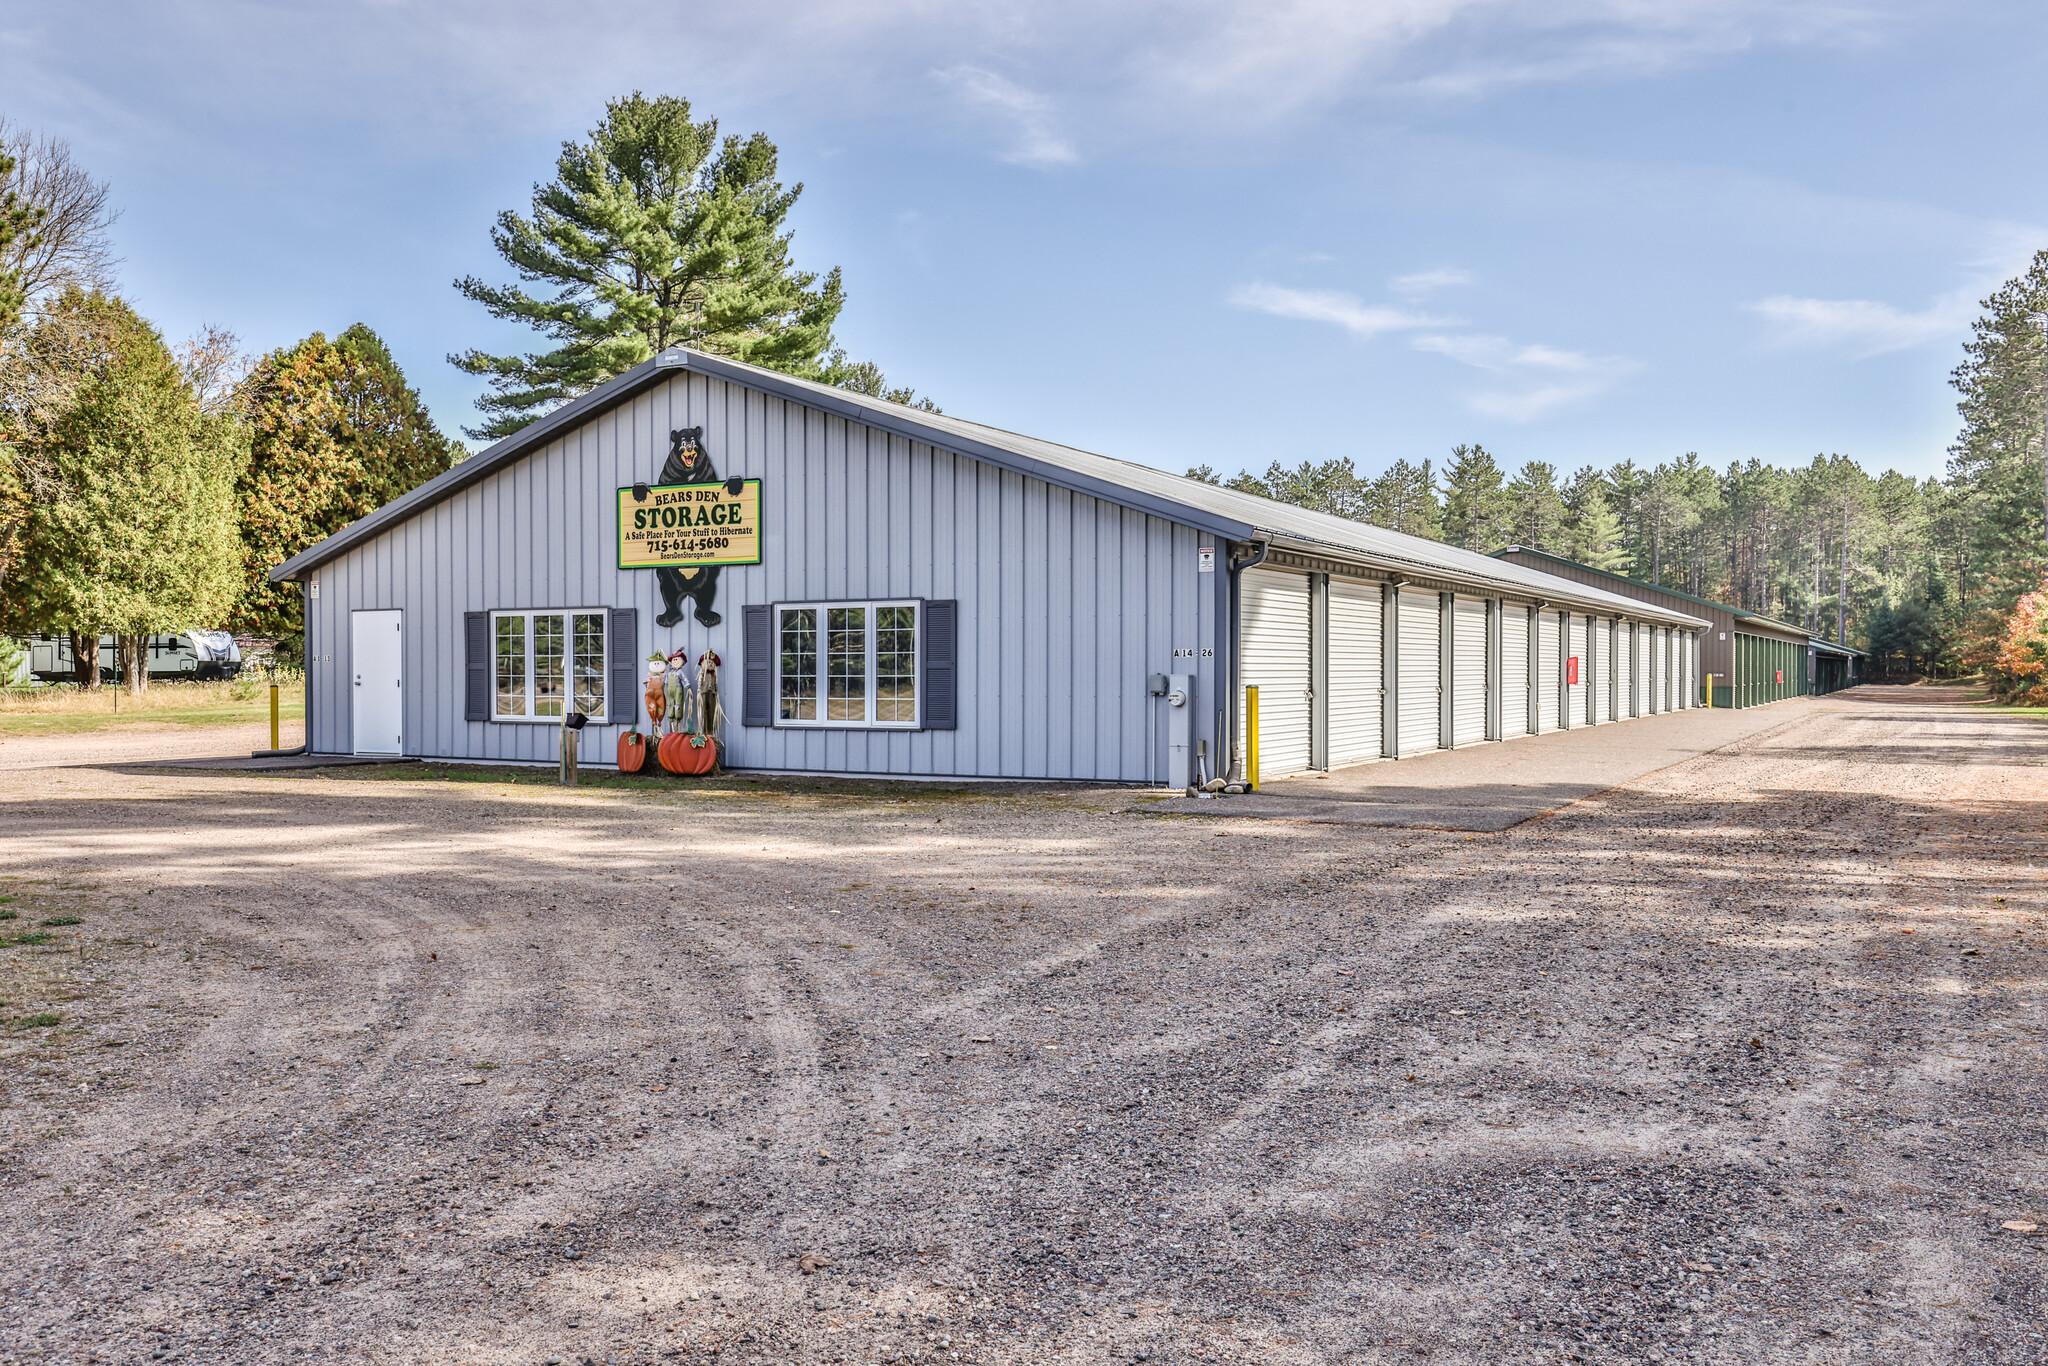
1220	231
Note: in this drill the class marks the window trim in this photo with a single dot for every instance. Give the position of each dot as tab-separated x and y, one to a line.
820	605
603	614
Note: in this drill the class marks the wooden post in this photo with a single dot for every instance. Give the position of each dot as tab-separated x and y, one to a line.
569	749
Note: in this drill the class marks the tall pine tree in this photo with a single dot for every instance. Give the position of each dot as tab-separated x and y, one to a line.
1475	504
656	232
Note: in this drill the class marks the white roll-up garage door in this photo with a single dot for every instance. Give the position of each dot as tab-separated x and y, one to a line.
1625	671
1417	690
1600	654
1642	669
1546	670
1468	670
1660	670
1575	693
1355	650
1273	621
1692	668
1514	670
1685	688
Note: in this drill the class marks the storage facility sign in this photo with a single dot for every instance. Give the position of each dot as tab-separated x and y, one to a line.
686	526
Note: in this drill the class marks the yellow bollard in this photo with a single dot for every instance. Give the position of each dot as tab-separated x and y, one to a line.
273	715
1710	690
1251	737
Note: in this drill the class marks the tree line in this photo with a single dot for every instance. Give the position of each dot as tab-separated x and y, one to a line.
149	487
1924	573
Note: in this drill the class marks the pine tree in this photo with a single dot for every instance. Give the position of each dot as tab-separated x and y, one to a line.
1595	532
18	223
337	434
656	232
1999	456
1475	504
1535	510
1404	499
139	534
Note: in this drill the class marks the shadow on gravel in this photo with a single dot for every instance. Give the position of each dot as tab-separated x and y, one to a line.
1625	1084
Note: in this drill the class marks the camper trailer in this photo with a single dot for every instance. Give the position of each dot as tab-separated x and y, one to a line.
200	655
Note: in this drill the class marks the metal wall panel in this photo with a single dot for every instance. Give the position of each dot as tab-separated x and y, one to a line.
1067	603
1468	670
1643	673
1514	670
1273	645
1575	698
1547	670
1354	671
1420	694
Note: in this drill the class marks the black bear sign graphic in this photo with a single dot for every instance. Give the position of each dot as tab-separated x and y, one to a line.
688	463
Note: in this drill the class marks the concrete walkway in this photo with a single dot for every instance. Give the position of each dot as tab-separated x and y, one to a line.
1501	784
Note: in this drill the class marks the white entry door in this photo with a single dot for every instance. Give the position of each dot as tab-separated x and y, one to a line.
376	646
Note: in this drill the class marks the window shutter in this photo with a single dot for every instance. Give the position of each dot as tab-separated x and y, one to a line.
941	669
757	705
476	689
622	646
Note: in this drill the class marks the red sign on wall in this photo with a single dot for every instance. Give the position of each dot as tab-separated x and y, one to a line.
1780	678
1571	669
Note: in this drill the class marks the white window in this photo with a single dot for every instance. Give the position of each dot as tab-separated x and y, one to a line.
846	664
541	660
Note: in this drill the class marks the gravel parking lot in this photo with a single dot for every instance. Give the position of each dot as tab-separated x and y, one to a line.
1741	1061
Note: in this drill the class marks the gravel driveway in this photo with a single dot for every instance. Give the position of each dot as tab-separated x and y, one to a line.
1739	1062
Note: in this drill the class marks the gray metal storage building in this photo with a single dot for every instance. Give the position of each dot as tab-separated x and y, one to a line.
936	597
1753	659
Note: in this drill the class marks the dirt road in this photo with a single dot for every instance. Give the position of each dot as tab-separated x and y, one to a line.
1740	1062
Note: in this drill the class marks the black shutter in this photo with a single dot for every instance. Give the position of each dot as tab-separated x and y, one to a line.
476	681
757	703
941	670
622	647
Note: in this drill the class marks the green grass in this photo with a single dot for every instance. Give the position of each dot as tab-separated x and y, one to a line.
30	940
2039	713
63	920
723	785
49	1019
75	711
10	915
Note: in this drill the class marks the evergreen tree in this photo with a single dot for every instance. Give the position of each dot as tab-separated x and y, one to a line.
656	232
1535	510
1475	505
337	434
18	222
1999	457
1595	531
139	533
1404	499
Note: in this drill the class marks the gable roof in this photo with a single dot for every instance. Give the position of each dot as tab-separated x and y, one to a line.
1227	513
1739	613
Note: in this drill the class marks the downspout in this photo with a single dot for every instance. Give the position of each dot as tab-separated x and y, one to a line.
306	662
1233	691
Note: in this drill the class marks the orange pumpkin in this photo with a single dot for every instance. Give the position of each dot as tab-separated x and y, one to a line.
632	752
687	755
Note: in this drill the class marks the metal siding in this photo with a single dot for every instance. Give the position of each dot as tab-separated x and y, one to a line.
1514	670
1547	670
1273	641
1468	671
1355	680
1420	694
1066	603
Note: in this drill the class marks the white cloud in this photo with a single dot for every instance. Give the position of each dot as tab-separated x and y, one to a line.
1534	380
1347	311
1864	327
1027	112
1425	282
